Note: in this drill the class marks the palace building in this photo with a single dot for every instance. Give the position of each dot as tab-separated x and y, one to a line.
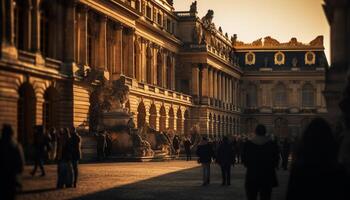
182	71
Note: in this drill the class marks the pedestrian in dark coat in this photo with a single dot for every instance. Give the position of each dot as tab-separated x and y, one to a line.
260	159
101	146
285	152
187	146
41	143
64	160
205	153
315	173
76	154
225	158
12	164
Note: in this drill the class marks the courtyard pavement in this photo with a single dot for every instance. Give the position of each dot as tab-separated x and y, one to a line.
171	180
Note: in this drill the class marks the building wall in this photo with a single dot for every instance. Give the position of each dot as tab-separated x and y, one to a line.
182	71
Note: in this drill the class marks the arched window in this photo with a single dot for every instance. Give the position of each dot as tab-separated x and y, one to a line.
308	96
251	95
280	98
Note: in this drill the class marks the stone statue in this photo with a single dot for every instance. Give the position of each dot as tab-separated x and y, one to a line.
294	62
197	34
141	148
193	8
234	39
207	20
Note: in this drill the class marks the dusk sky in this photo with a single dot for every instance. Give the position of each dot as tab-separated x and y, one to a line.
254	19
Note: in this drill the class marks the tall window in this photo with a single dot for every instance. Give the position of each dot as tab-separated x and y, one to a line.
308	96
280	97
149	12
251	95
148	65
44	33
159	69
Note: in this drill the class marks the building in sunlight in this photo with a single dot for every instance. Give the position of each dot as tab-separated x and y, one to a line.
181	69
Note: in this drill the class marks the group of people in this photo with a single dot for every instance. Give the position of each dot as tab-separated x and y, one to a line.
62	147
315	172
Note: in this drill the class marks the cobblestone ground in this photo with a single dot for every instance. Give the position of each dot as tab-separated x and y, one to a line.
173	180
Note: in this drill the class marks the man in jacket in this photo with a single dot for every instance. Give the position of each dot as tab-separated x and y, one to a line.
205	153
76	154
225	158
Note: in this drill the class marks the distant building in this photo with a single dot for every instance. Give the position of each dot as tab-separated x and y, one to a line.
181	70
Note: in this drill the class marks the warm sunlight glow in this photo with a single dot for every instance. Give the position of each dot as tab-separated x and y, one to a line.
253	19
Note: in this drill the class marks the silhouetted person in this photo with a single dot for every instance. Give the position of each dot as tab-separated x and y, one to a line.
12	163
108	149
225	158
64	159
285	152
261	158
41	143
101	146
315	173
176	144
187	146
53	136
76	154
205	153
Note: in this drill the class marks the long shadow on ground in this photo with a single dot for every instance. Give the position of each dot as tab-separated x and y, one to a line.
182	185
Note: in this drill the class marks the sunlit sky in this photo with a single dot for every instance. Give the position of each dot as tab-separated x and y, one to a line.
254	19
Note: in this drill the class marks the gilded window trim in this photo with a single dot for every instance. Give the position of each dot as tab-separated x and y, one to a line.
280	62
247	62
312	61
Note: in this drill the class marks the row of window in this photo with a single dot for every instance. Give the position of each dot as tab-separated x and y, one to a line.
280	58
280	96
160	18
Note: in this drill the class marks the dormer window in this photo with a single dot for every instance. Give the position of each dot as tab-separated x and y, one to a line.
310	58
279	58
250	58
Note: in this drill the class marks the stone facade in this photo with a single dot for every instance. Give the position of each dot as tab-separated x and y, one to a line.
182	71
282	84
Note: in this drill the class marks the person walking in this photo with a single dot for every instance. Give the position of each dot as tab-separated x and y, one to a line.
41	143
64	160
76	154
205	153
12	164
101	146
315	173
225	158
176	145
53	142
188	145
285	152
260	159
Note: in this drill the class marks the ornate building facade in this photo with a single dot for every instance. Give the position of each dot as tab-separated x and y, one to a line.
181	70
282	84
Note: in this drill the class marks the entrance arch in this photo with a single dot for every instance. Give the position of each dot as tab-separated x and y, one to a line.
162	119
153	117
179	121
26	112
50	108
187	125
141	115
171	119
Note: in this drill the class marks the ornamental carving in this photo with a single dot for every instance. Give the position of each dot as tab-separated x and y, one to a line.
279	58
197	34
310	58
193	8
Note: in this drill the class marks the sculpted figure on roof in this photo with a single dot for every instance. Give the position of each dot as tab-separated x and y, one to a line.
207	20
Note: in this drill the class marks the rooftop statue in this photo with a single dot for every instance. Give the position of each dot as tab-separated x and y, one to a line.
193	8
207	20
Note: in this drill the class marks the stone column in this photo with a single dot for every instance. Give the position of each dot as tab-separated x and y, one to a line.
118	70
219	88
211	84
36	26
204	87
69	32
215	86
173	64
131	62
83	20
195	82
103	44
